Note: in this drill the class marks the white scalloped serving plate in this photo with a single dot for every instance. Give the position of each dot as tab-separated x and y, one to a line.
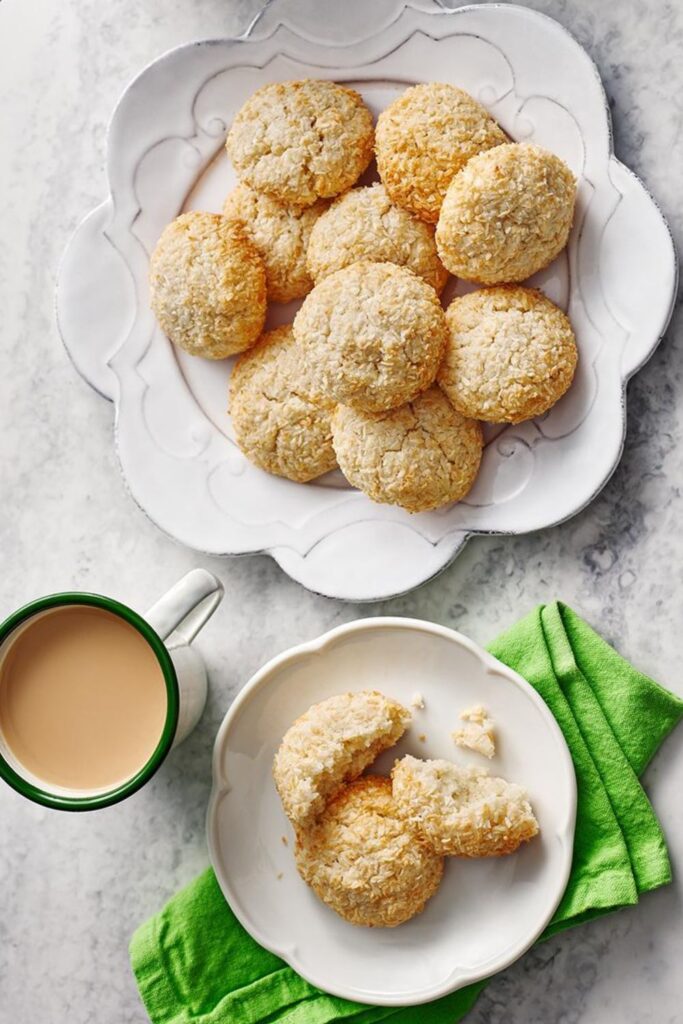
617	280
486	912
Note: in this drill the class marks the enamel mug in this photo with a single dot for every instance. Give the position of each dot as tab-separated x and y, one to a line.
168	627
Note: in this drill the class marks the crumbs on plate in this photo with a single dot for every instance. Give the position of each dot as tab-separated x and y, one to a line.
478	733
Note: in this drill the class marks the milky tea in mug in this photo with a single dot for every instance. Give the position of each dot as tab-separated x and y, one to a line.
83	699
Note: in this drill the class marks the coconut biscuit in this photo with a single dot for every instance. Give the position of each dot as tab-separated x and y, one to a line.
463	812
276	424
373	335
364	224
511	354
281	235
207	286
423	139
420	456
331	744
506	215
301	141
363	861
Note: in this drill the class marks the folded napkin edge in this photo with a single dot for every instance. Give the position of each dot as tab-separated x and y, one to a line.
668	718
153	981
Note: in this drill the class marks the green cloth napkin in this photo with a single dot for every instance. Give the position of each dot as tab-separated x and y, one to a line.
195	964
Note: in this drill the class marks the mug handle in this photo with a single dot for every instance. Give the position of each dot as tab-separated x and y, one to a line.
179	615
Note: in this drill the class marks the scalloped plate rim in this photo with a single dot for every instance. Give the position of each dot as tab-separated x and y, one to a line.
645	353
221	786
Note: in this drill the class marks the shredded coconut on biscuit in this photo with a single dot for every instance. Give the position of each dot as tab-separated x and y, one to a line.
420	456
331	744
424	138
207	286
373	335
364	862
277	424
301	141
463	812
364	224
280	234
506	215
511	354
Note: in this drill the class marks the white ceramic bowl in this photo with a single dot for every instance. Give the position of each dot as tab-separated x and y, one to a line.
486	912
617	280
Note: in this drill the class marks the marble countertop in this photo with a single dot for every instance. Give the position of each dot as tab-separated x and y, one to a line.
74	887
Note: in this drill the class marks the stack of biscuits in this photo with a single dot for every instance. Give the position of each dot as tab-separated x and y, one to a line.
373	848
373	375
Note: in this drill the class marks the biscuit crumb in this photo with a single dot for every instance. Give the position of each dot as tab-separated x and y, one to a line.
478	733
284	840
477	713
279	875
422	738
417	700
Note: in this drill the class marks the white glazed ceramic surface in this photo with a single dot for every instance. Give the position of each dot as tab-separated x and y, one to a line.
617	281
486	912
177	617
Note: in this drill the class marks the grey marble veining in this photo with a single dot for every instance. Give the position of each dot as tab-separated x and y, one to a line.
73	888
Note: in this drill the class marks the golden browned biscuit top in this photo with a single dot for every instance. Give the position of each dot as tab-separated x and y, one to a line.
511	354
373	335
364	224
423	139
420	456
208	286
506	215
301	141
364	862
277	425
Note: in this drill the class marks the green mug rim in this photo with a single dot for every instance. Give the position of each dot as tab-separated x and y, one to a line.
125	789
